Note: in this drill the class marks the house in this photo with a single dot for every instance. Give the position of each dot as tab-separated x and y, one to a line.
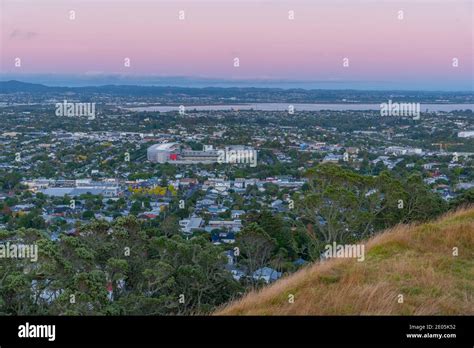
22	208
227	237
148	215
159	206
235	214
266	274
99	216
188	182
214	209
233	225
239	183
276	204
352	150
192	224
205	202
429	166
331	158
237	273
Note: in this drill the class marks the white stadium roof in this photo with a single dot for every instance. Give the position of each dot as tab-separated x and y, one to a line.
163	146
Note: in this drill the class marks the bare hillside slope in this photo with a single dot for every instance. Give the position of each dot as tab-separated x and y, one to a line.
416	262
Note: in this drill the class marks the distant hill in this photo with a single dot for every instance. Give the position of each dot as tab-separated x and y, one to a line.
220	95
13	86
414	261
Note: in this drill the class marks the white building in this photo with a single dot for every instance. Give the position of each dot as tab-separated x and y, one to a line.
398	150
466	134
162	153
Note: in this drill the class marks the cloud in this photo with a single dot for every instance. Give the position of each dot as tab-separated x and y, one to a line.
19	34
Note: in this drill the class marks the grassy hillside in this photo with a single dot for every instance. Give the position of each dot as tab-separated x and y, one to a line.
414	261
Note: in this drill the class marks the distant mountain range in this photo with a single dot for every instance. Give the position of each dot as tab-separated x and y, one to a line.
244	94
17	86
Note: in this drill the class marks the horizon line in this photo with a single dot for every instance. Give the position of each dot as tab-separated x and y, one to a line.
276	84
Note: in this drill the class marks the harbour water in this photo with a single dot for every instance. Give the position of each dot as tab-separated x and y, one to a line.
298	107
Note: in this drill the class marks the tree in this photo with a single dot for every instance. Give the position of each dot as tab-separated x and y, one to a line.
170	226
340	205
466	198
114	268
88	214
277	229
256	247
423	204
136	208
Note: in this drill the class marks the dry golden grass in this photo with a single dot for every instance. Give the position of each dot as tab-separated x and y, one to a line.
414	261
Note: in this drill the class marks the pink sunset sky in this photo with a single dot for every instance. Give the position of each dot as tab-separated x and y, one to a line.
380	47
